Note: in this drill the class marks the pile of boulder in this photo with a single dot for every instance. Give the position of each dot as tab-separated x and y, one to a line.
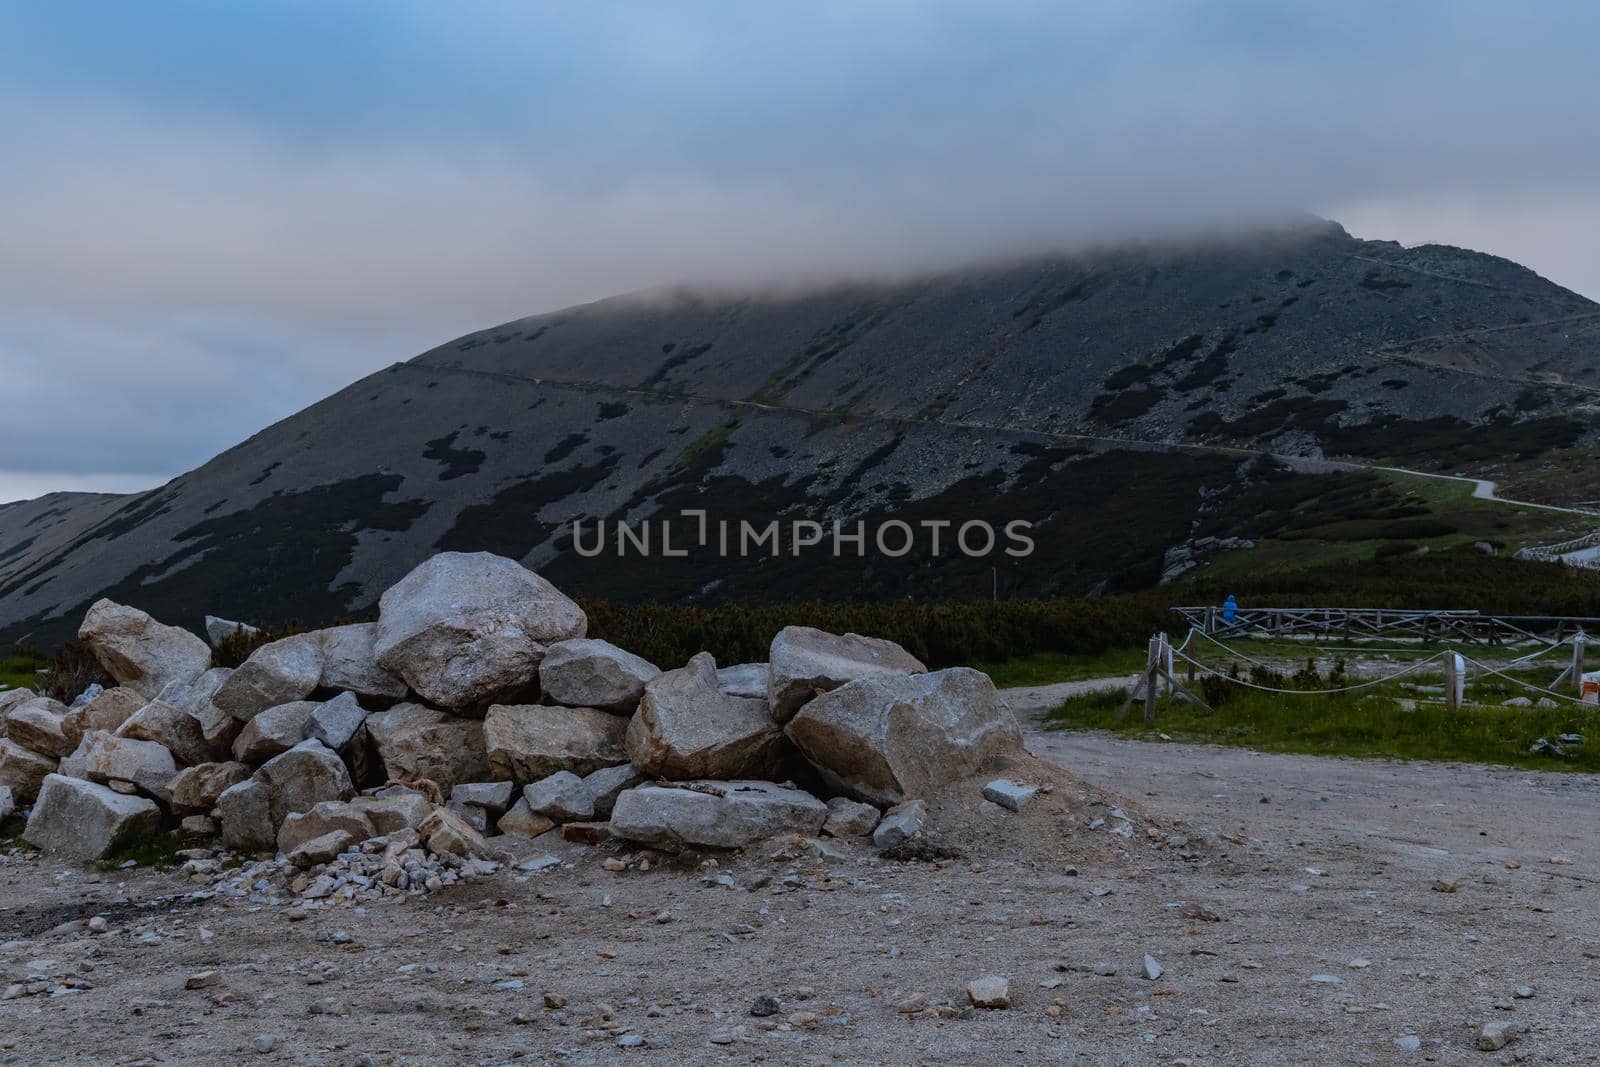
476	706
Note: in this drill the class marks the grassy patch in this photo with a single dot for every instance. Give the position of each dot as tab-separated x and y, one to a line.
1048	668
158	850
1369	725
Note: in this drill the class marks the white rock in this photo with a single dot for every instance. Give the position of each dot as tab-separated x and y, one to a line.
714	814
990	992
524	821
589	673
562	796
849	818
106	758
84	820
806	661
744	680
109	710
687	727
22	770
38	724
334	722
900	824
1008	794
1496	1035
468	628
279	672
416	742
195	789
1152	969
323	818
273	731
170	727
527	742
401	809
302	777
350	662
140	652
889	737
607	783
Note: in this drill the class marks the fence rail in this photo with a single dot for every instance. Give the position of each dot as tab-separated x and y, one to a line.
1426	625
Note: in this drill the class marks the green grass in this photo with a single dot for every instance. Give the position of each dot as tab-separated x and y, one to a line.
22	669
1046	668
1367	725
158	850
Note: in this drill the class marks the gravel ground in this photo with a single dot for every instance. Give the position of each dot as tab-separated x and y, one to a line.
1305	926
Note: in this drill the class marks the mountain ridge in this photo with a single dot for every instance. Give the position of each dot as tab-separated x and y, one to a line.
1025	385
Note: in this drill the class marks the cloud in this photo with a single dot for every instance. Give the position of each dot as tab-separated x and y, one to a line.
218	220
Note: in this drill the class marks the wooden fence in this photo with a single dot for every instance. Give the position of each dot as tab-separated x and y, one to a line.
1387	623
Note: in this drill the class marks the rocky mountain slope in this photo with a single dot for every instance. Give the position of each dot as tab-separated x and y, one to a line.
1050	390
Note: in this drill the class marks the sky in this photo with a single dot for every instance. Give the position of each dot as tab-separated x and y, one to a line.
214	214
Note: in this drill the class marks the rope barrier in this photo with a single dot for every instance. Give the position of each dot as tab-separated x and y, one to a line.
1527	685
1310	692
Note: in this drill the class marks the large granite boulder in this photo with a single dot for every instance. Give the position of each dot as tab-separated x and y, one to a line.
527	742
303	777
889	737
10	698
102	757
86	821
467	628
416	742
279	672
350	662
140	652
194	790
109	710
218	727
23	770
335	722
687	727
245	811
744	680
805	662
714	814
323	818
172	728
39	724
589	673
394	809
273	731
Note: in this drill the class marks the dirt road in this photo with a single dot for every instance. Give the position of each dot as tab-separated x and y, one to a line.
1304	926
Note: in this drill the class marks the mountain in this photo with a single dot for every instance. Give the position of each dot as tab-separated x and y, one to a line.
1105	396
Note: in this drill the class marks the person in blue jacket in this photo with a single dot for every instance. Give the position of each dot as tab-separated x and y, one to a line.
1230	610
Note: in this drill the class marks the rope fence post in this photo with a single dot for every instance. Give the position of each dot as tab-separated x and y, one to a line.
1455	680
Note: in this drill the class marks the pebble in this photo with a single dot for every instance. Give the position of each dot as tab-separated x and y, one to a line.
264	1043
911	1005
764	1005
992	991
1523	992
1495	1036
1408	1043
630	1041
1152	969
200	980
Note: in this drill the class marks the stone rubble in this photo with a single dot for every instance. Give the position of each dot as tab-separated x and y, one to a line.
378	760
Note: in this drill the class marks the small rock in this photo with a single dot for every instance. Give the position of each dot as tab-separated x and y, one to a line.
765	1004
1008	794
200	980
1152	969
1495	1036
900	823
1408	1043
1444	885
992	991
1523	992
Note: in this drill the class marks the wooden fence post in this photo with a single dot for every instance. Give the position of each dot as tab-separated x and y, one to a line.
1580	643
1152	678
1455	680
